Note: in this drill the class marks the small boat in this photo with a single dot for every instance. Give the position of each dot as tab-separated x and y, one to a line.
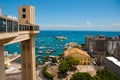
48	52
51	50
42	47
61	37
40	52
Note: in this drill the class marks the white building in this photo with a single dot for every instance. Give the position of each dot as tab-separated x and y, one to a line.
113	64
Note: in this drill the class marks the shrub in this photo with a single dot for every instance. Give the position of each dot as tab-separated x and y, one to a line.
81	76
63	66
46	74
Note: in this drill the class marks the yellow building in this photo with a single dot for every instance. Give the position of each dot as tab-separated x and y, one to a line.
83	57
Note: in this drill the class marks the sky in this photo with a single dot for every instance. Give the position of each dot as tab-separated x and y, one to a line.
87	15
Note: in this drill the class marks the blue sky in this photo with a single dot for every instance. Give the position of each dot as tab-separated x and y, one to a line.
95	15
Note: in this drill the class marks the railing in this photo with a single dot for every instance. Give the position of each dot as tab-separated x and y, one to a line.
28	27
8	25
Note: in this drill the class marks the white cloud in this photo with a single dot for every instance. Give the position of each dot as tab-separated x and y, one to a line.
101	25
87	26
58	25
116	24
88	23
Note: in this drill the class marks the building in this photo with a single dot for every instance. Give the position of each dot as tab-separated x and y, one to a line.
101	44
83	57
22	30
113	43
113	64
117	52
89	42
26	14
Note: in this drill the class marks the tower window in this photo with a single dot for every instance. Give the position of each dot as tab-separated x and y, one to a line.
23	10
23	16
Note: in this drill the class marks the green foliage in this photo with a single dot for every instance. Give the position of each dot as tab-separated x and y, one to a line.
63	66
65	49
77	47
71	61
54	60
96	78
106	75
46	74
61	55
101	75
81	76
45	58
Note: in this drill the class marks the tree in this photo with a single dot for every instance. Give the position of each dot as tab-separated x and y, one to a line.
101	75
46	74
96	78
72	61
81	76
63	66
54	60
77	47
106	75
45	59
61	55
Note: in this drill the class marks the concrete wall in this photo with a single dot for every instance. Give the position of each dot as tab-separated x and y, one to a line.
113	67
29	15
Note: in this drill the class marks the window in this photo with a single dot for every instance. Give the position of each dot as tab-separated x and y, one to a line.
23	10
9	25
31	28
2	25
22	27
85	59
15	25
23	16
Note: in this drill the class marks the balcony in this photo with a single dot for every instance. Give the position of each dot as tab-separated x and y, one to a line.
10	28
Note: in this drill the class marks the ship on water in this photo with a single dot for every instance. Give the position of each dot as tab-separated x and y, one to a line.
61	37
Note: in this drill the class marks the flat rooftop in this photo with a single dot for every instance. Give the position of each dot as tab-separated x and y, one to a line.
114	60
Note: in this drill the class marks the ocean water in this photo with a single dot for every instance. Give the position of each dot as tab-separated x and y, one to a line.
46	40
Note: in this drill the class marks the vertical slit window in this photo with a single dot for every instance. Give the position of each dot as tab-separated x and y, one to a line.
9	25
24	10
23	15
2	25
15	24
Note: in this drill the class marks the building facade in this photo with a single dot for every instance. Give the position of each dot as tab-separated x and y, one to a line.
26	14
22	30
81	55
101	43
113	64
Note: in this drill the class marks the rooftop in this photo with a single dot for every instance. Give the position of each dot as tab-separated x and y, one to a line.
114	60
74	51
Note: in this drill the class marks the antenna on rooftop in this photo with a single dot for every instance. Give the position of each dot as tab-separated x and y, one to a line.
0	10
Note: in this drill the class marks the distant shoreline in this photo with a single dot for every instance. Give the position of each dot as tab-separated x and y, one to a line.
81	30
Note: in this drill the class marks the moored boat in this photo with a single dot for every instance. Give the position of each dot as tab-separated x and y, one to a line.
61	37
48	52
40	52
